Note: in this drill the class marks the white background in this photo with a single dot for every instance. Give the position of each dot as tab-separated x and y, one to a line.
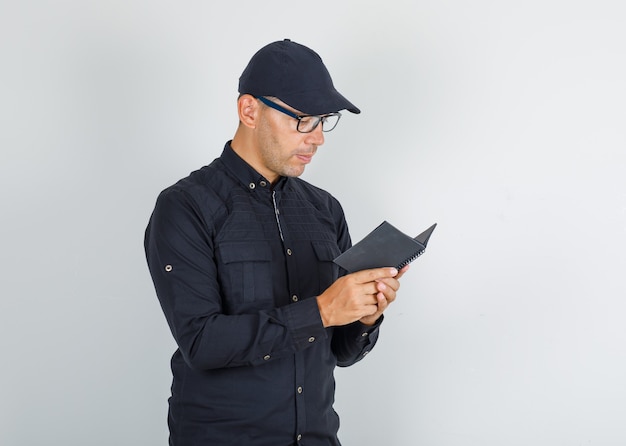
502	121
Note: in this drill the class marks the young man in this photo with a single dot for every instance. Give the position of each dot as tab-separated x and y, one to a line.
241	254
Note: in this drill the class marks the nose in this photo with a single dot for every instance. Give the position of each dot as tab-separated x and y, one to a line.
316	137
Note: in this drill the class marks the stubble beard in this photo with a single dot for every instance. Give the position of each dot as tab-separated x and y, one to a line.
276	158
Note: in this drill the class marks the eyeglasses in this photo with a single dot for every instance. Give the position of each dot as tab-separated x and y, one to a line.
306	123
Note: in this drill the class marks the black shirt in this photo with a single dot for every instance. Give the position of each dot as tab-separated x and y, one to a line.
237	264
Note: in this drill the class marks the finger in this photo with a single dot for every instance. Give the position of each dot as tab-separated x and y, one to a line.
369	275
372	299
383	302
381	305
402	271
390	282
372	288
388	291
378	304
389	294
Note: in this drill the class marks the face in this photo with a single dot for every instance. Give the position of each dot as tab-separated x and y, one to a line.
284	151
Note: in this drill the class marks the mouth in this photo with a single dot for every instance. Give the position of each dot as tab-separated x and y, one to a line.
306	159
306	156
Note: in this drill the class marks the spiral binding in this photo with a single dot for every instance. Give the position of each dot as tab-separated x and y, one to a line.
410	259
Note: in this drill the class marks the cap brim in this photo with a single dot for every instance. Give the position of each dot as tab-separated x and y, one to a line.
319	103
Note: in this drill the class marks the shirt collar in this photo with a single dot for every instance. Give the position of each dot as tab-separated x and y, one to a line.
245	173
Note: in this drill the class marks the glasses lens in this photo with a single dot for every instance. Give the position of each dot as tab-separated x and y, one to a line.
329	122
307	124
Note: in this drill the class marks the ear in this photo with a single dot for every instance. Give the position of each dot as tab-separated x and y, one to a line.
248	109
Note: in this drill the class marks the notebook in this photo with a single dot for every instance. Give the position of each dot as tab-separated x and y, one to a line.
384	246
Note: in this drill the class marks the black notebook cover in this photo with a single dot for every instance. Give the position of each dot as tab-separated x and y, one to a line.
384	246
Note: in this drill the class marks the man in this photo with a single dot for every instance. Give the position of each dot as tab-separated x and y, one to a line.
241	254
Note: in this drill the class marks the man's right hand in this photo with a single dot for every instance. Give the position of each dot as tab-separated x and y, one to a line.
354	296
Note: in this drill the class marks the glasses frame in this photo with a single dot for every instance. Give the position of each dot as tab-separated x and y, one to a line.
320	118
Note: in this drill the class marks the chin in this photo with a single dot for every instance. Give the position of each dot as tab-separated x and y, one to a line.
294	172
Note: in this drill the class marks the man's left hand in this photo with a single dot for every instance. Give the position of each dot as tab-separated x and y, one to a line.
387	289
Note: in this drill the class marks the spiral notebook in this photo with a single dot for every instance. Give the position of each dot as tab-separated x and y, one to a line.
384	246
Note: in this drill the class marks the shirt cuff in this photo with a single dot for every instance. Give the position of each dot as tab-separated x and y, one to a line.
373	328
305	323
367	333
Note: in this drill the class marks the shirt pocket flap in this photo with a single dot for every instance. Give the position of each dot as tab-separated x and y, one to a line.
325	251
245	252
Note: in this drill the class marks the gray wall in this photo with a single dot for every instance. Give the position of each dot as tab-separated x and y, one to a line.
502	121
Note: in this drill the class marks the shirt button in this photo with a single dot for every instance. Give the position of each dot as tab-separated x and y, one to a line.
251	185
288	251
168	268
266	357
365	334
294	298
300	389
365	352
299	437
262	183
312	339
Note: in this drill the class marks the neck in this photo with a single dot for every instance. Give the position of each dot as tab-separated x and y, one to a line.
244	145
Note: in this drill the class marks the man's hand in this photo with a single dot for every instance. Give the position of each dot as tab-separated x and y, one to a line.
363	295
387	289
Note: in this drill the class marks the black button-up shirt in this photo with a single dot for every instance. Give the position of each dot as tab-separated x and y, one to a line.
237	264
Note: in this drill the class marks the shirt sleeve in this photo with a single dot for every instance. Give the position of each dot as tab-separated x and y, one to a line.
351	343
180	254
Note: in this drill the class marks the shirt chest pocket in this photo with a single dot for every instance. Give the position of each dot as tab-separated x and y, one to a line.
246	274
327	270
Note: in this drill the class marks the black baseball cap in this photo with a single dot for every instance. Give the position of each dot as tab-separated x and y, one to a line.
296	75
